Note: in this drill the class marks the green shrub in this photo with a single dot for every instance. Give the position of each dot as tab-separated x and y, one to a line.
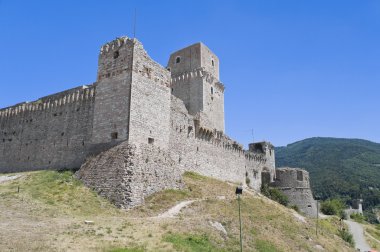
295	207
371	217
333	207
247	180
347	236
275	194
357	217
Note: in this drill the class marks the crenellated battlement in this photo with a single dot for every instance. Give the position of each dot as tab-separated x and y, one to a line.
79	94
115	44
196	73
214	138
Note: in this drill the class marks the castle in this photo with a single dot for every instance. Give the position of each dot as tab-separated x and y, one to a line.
137	129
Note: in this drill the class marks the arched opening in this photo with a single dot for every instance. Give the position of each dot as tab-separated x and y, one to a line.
177	60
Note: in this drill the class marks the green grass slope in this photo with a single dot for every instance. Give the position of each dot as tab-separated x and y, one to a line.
50	211
345	168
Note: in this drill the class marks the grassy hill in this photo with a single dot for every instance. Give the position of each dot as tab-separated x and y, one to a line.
345	168
47	210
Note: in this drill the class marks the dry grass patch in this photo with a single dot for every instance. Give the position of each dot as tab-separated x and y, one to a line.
49	213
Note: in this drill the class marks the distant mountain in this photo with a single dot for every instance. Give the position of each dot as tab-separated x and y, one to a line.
344	168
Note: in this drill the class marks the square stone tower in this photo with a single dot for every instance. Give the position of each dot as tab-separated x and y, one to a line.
195	80
132	96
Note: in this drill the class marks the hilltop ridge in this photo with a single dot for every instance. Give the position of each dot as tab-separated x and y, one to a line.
338	167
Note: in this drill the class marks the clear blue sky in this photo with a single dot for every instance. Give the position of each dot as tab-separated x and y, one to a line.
292	69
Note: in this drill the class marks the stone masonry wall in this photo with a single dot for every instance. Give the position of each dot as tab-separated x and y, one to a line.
195	75
112	104
218	158
294	183
127	173
150	101
54	131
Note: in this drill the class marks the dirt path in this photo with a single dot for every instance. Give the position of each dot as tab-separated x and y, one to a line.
7	178
172	212
357	231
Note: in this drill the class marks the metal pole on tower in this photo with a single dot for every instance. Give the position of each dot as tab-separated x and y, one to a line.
134	24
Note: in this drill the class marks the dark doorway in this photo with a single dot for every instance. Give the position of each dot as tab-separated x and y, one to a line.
265	178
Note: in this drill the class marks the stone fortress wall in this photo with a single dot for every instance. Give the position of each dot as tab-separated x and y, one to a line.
154	123
54	131
295	183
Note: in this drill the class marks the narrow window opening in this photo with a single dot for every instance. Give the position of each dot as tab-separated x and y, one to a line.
150	140
212	62
114	135
212	90
178	60
189	129
63	133
116	54
299	176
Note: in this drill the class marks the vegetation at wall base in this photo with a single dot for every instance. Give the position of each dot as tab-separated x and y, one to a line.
274	194
339	168
334	207
347	237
